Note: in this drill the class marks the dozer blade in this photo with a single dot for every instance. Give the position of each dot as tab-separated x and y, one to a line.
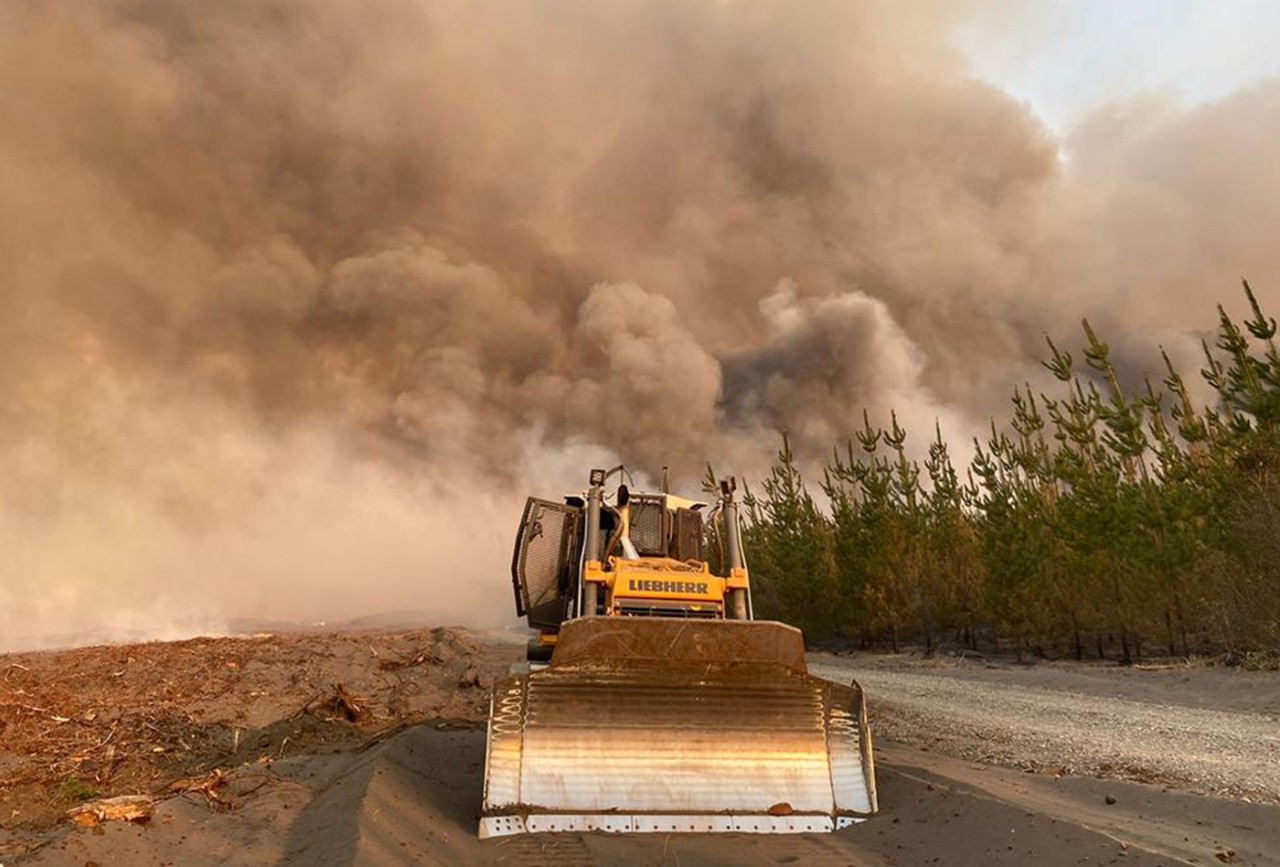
656	724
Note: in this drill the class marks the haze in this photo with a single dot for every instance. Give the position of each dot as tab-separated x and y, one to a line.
298	300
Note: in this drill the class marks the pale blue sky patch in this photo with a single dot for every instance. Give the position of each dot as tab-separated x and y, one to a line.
1067	57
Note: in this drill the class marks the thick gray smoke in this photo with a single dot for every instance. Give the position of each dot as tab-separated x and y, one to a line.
299	298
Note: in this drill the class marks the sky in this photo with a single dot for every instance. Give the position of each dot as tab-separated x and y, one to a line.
1065	58
299	299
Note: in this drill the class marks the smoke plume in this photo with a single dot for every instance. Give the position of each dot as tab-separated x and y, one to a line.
298	299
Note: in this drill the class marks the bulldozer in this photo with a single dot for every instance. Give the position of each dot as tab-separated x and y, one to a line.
651	699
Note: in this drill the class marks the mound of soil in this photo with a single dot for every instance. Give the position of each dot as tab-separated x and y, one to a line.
79	725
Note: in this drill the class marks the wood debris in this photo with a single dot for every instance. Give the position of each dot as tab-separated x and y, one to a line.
122	808
350	706
423	657
208	786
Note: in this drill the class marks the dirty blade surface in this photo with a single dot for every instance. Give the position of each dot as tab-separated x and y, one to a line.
637	744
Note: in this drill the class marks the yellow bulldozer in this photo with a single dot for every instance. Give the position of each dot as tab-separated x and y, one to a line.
652	700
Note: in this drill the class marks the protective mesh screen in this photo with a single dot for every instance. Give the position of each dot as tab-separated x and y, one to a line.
648	530
688	535
543	548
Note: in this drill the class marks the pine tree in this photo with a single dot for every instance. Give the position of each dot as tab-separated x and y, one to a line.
792	548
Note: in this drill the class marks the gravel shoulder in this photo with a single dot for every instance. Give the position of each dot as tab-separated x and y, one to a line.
1207	731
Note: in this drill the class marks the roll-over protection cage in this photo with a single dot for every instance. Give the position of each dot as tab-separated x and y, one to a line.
546	562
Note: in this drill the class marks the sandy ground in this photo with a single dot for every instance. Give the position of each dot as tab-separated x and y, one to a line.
401	794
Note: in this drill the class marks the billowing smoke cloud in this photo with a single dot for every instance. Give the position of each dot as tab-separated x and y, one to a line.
297	299
824	360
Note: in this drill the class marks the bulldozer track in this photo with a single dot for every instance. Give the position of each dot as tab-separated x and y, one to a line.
548	850
811	852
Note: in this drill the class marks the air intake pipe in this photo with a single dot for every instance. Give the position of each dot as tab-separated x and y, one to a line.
739	604
591	541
